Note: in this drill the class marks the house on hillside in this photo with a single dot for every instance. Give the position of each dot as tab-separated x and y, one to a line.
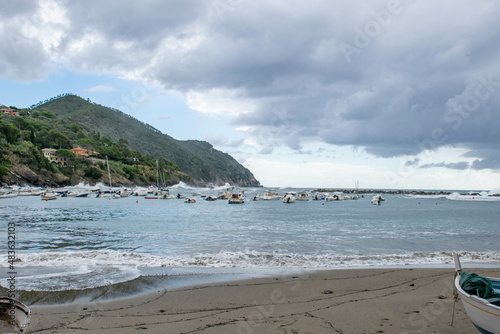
7	110
50	154
82	152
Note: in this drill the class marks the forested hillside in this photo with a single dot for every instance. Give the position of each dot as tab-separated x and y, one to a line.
132	146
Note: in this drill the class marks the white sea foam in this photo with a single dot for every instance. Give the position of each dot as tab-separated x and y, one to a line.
88	269
239	259
455	196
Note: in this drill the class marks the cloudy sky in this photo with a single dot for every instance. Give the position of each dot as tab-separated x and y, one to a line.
395	94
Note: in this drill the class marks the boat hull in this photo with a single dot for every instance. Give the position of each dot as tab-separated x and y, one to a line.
15	316
484	315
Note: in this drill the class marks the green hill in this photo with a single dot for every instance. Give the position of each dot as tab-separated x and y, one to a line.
198	159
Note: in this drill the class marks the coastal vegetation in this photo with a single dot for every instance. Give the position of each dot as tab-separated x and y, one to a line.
137	152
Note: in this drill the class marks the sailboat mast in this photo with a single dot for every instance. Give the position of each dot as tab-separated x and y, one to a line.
109	172
157	181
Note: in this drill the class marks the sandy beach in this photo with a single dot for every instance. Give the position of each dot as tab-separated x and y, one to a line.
334	301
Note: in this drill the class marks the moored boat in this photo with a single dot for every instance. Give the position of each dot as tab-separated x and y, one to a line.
77	193
236	198
377	199
14	316
289	197
318	196
480	297
124	193
9	194
48	196
303	196
223	195
271	195
140	192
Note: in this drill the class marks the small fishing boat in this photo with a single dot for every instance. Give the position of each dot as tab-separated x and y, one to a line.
223	195
48	196
303	196
271	195
236	198
77	193
210	198
289	197
124	193
140	192
377	199
318	196
481	300
167	196
14	316
256	198
10	194
189	200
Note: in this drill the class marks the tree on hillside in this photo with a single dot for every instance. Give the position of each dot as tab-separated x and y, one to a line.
10	132
88	144
60	140
64	153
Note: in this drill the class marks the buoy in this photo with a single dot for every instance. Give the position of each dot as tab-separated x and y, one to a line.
109	198
137	201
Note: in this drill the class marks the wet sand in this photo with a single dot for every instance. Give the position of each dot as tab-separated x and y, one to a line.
334	301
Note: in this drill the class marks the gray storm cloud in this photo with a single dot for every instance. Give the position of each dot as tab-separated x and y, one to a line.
393	77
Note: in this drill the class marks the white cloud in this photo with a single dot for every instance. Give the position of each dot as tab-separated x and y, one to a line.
228	102
101	88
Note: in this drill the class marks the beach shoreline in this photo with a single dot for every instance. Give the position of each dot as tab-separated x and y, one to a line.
386	300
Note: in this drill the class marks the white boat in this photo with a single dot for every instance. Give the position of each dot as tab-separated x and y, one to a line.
26	192
9	194
48	196
77	193
377	199
124	193
289	197
329	198
483	312
189	200
236	198
14	316
303	196
256	198
271	195
180	196
140	192
210	198
318	196
335	197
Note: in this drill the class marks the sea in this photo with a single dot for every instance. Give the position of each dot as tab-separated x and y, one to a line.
101	248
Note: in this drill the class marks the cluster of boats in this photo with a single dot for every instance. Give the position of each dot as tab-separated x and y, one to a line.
232	195
293	196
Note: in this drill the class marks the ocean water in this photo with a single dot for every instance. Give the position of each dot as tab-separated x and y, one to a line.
81	243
